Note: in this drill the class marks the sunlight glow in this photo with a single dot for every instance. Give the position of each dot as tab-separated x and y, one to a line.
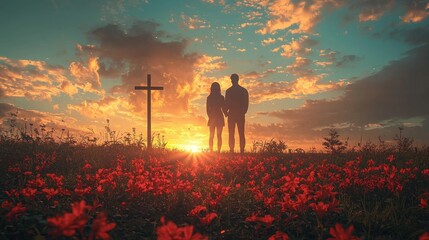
193	149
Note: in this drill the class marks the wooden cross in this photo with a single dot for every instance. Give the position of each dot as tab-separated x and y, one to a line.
149	88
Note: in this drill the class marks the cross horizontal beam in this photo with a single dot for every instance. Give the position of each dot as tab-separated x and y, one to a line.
147	88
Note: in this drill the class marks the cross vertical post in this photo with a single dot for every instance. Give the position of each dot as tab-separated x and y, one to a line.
149	115
149	88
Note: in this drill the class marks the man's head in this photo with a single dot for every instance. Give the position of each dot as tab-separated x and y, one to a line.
234	79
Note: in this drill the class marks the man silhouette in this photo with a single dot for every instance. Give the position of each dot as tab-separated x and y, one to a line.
237	104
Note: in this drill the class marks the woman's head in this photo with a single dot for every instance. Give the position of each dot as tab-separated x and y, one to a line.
215	88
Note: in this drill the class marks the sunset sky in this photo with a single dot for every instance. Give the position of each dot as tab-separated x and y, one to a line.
359	66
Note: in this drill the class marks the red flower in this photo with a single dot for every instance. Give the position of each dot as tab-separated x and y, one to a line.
197	211
50	192
29	192
424	236
320	208
252	218
170	231
390	158
15	212
6	205
208	218
67	224
279	236
78	208
339	233
100	227
63	225
423	203
87	166
267	219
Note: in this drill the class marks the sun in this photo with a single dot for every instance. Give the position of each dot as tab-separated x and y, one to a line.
193	149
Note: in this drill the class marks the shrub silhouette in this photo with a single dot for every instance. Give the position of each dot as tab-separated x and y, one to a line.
332	142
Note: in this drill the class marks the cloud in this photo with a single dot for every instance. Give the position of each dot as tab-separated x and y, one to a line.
414	36
221	2
399	91
68	88
268	41
371	10
5	108
193	22
302	46
296	16
38	80
300	67
34	80
330	57
417	11
346	60
2	93
253	15
87	76
132	53
260	91
106	107
24	117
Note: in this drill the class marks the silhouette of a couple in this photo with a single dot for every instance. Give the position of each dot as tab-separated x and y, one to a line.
234	106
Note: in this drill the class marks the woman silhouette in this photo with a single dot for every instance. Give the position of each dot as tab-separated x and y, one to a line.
215	107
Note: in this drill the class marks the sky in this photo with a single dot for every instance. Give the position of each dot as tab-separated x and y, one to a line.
358	66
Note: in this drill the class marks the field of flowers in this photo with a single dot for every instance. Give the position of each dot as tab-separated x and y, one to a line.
72	192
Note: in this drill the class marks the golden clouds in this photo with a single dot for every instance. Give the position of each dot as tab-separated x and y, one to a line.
207	63
302	86
68	88
298	17
371	10
34	80
106	107
38	80
417	11
87	75
303	45
193	22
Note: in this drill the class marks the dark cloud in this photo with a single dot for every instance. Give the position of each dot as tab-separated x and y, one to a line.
4	109
337	59
308	42
132	53
399	91
346	60
2	93
414	36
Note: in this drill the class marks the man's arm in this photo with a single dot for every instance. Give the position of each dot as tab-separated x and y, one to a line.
246	101
227	103
224	110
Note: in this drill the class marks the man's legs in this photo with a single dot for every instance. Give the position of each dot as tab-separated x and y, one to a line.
240	126
231	132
